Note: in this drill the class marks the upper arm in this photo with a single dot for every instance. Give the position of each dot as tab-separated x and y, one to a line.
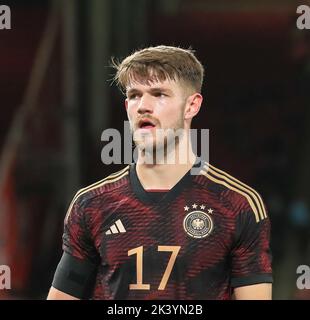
251	255
55	294
76	272
77	238
261	291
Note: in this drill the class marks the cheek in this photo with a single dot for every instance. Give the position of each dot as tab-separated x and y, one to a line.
130	111
130	119
172	118
132	116
173	112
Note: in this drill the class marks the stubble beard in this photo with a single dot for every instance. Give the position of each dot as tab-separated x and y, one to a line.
155	147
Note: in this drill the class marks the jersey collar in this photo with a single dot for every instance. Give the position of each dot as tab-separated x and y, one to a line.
145	197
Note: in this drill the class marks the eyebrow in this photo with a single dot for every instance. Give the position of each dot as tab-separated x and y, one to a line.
132	90
151	90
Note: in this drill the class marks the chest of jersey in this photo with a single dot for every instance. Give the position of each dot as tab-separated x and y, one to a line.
164	249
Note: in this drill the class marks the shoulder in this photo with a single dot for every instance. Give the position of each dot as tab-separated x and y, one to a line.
108	184
235	191
114	180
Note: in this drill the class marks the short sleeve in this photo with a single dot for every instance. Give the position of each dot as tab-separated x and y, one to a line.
251	256
77	240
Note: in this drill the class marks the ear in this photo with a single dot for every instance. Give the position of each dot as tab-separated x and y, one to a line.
193	105
126	104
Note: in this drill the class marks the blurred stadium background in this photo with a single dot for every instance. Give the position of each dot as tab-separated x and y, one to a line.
56	100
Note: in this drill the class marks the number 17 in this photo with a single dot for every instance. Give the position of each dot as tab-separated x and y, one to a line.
139	263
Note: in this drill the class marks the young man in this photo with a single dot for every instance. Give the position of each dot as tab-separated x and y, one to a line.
154	230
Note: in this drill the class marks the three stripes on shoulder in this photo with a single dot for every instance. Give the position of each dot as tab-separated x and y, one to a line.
221	177
111	178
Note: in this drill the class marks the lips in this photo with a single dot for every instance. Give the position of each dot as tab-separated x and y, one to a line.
146	124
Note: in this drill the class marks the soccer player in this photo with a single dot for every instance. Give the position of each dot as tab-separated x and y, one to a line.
154	230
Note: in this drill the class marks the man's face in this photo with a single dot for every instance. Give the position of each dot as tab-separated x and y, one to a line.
158	105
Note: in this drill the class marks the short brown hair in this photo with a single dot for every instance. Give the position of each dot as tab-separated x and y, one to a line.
158	64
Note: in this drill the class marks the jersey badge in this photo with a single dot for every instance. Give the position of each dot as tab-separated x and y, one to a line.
198	223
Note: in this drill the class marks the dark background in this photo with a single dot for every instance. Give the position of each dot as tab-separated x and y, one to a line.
56	99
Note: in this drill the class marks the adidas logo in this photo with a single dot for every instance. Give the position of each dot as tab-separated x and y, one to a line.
116	227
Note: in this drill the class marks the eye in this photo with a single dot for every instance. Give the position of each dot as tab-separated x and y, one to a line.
133	96
159	94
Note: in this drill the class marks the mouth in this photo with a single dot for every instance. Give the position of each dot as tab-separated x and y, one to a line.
146	124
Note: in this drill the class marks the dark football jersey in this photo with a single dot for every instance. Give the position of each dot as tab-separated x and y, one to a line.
207	235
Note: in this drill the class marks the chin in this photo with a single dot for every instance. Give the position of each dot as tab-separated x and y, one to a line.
146	146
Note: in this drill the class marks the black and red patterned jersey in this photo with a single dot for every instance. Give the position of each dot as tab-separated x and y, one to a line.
202	238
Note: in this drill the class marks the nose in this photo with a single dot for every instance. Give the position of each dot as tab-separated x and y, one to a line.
145	105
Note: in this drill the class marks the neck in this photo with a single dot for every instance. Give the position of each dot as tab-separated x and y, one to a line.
165	174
